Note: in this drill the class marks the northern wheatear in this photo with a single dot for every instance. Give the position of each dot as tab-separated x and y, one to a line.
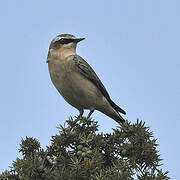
76	81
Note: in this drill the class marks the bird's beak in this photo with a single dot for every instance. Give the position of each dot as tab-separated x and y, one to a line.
79	39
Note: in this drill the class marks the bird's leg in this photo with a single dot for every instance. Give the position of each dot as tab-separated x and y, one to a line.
89	115
81	112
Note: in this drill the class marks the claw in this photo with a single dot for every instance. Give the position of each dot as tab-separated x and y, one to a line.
89	115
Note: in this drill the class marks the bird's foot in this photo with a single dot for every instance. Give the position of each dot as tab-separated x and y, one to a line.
89	115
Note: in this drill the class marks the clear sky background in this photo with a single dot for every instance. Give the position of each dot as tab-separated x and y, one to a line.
133	45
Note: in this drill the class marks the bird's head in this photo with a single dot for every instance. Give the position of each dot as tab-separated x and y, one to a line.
64	43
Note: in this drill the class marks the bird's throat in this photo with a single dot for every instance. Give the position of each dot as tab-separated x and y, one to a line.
61	53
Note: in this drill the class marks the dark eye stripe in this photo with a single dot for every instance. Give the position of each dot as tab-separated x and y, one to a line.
65	41
57	44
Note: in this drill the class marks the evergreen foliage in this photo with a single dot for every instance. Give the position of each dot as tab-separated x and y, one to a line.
79	152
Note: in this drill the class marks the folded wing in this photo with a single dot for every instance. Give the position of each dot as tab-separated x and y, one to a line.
86	70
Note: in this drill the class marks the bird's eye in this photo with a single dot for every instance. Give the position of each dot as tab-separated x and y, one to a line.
65	41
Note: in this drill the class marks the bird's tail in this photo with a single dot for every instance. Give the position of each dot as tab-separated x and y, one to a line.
112	110
119	119
112	113
116	116
116	107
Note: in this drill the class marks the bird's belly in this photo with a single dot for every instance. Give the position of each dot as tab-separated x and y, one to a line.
77	90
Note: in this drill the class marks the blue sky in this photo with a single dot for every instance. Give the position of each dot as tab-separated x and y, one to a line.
132	45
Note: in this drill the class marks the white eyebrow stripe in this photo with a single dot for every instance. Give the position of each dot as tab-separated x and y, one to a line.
58	38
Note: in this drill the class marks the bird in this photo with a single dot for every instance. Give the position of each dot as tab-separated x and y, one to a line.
76	80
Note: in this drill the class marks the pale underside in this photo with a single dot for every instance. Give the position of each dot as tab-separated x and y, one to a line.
76	89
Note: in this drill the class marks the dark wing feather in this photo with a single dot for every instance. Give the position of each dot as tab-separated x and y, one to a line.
86	70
